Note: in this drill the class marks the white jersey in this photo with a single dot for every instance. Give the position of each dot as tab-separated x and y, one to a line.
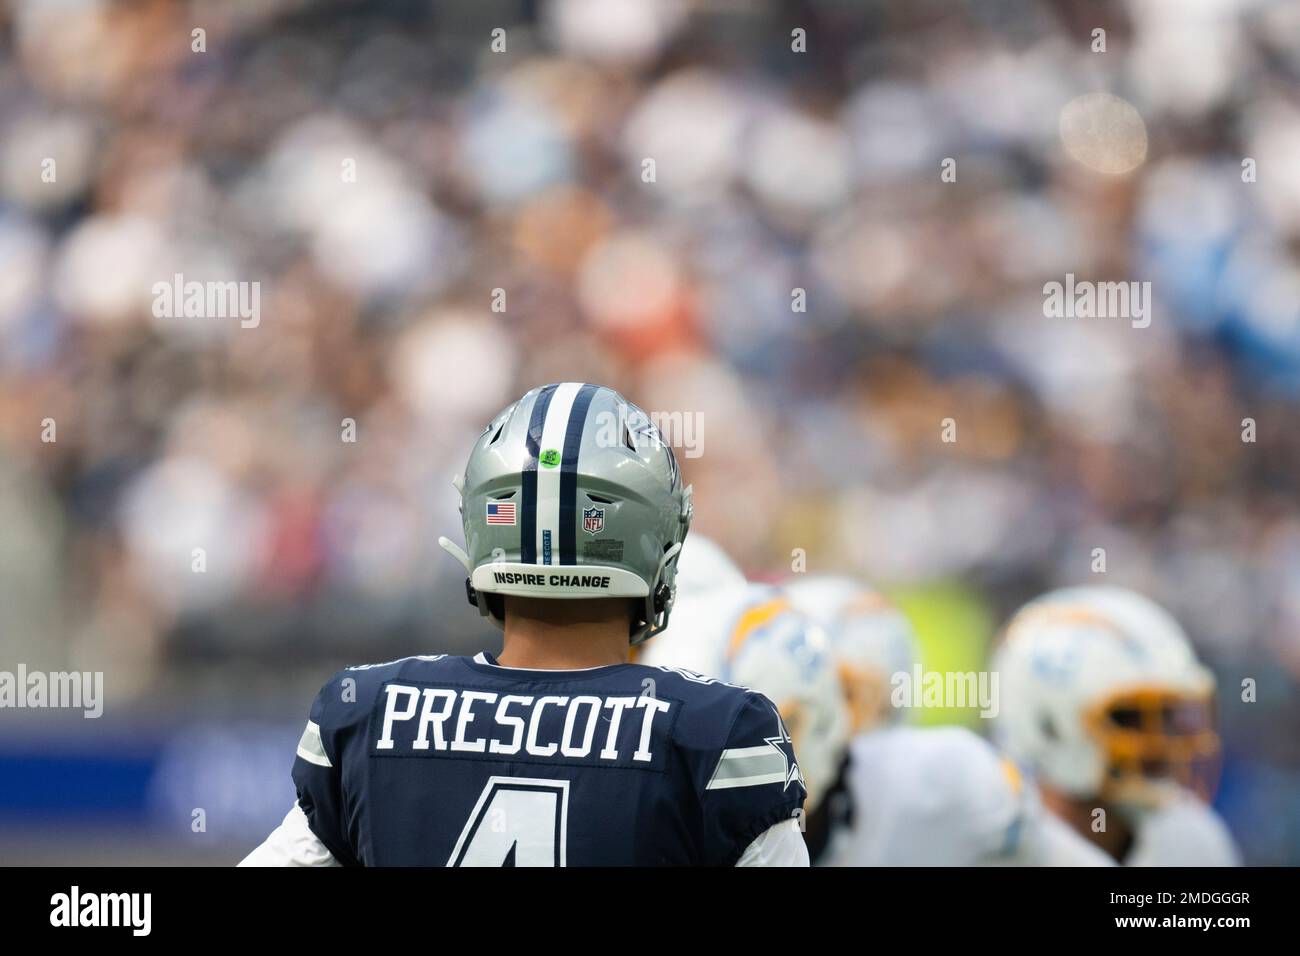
943	796
1183	832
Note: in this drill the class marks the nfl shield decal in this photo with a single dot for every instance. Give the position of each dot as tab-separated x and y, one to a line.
593	520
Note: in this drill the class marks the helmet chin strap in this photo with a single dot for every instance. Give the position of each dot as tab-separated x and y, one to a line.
657	619
668	556
457	552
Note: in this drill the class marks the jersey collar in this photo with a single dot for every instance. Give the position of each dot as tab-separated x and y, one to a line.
485	662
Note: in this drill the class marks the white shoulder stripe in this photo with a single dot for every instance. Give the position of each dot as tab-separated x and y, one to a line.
777	776
310	747
749	767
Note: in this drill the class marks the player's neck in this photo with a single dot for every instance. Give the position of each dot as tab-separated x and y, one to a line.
542	635
569	649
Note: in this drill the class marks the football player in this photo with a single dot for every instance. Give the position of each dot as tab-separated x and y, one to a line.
913	796
1103	697
557	752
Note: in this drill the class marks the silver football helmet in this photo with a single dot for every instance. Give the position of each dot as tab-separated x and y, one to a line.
572	493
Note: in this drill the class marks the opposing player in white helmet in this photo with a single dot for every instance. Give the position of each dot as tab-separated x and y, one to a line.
904	795
870	639
1104	699
749	634
704	568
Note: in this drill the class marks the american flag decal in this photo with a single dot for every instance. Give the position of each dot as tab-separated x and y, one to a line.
501	512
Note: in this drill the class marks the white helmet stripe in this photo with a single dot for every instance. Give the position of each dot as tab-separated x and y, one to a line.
548	471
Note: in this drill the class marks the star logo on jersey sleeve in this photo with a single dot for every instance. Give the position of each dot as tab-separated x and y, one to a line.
770	762
783	744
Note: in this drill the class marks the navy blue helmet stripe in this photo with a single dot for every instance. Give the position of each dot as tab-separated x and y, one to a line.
528	504
569	475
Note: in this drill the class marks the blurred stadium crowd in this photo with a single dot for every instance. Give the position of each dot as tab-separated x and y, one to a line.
524	170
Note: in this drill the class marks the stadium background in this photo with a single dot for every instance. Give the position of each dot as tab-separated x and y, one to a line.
522	170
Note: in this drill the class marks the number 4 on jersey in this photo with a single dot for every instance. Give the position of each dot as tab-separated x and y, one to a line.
517	821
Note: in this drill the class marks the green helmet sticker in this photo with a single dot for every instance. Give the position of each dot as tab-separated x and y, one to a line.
549	458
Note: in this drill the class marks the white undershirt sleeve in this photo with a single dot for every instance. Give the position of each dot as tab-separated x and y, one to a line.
779	845
292	843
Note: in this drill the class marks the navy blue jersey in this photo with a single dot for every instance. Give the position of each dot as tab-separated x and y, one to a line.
455	761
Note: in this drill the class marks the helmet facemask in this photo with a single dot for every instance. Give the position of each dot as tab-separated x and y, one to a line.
1153	738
